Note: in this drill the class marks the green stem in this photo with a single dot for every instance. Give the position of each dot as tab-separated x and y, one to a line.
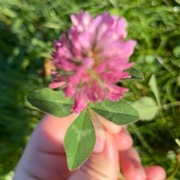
162	108
94	117
141	138
171	177
167	106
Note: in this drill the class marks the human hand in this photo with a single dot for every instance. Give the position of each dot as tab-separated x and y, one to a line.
45	159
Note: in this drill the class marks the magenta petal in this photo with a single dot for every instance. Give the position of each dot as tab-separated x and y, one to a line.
90	93
121	28
74	81
62	48
74	38
81	21
85	41
104	25
115	92
54	85
88	63
115	76
127	48
99	91
111	50
80	102
70	90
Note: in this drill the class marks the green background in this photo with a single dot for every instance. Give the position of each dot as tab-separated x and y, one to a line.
27	31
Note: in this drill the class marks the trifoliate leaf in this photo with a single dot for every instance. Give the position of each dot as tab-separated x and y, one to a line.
146	107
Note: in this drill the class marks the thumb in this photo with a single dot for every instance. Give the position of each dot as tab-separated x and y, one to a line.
103	165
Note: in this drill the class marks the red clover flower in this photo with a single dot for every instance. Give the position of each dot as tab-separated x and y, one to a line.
92	58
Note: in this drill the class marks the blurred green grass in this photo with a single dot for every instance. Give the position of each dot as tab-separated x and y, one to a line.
27	31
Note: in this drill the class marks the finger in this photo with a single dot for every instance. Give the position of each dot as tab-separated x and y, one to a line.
123	140
131	168
108	125
134	154
44	156
49	134
155	173
100	139
100	165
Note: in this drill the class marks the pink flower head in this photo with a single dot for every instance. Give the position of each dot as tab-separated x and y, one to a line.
92	58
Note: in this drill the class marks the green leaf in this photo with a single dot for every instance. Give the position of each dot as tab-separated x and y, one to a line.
177	141
53	102
135	74
146	107
154	87
79	140
118	112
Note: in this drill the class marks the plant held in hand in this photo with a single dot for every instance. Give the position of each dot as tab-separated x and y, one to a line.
88	63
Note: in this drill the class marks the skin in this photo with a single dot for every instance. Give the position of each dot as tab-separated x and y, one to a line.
44	157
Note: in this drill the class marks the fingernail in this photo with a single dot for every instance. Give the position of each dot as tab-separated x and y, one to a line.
100	140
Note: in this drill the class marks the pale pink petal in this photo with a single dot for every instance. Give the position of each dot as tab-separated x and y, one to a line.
65	64
104	25
127	48
112	50
95	23
62	47
53	72
115	92
99	91
90	93
76	49
88	63
114	76
85	41
121	28
54	85
81	21
57	82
